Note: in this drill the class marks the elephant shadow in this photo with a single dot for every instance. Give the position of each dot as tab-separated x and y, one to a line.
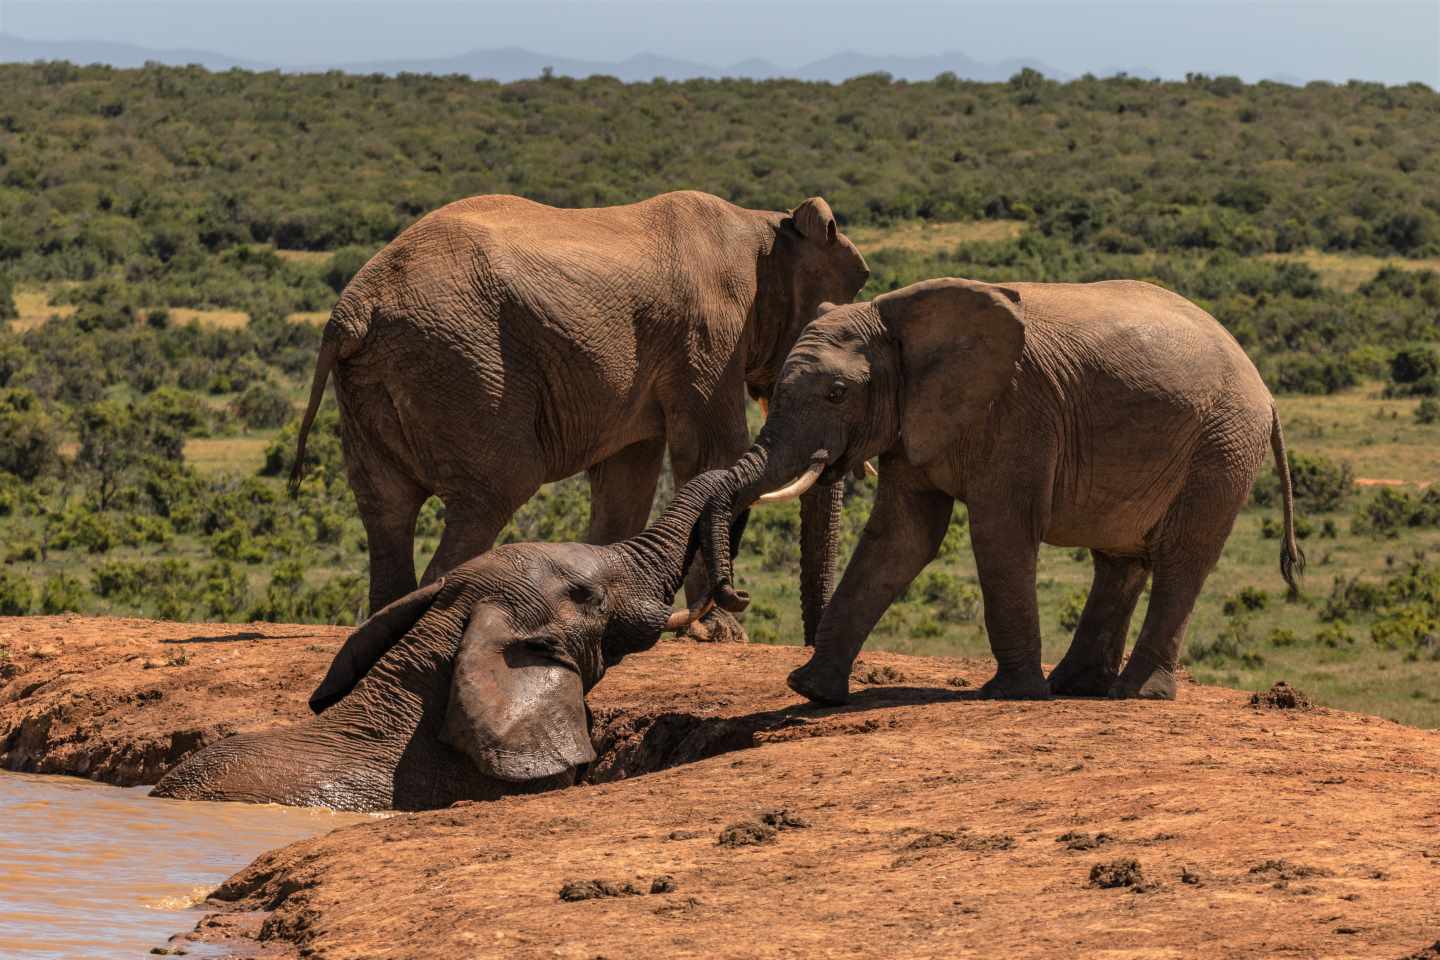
630	742
223	637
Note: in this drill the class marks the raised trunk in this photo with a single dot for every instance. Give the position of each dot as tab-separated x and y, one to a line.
664	551
757	471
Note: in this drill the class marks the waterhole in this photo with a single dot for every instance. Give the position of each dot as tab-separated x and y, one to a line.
88	870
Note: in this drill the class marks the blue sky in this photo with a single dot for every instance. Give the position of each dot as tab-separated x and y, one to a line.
1394	42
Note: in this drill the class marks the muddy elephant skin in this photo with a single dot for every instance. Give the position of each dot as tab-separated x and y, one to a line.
471	687
498	344
1116	416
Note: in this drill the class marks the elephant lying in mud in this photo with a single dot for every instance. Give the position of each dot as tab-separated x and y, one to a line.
1116	416
498	344
471	687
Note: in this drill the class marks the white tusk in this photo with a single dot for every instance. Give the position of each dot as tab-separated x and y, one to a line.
680	619
870	469
800	484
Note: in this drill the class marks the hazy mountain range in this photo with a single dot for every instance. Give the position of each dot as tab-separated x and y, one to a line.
514	63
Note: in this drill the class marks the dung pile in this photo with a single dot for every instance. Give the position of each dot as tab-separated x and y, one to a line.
1282	696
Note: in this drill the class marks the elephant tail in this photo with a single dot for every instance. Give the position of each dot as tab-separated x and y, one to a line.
324	363
1292	558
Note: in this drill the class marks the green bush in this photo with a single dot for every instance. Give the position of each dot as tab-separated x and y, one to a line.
62	593
1428	410
1411	627
289	599
762	623
29	436
1282	637
1414	371
1390	510
1072	608
344	264
1248	600
8	310
14	594
1320	484
950	599
262	405
1334	636
1234	644
1307	373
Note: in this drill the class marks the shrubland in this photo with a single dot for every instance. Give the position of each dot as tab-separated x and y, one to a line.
170	235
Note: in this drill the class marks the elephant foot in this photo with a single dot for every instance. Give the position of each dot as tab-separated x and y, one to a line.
717	626
821	684
1072	678
1141	680
1016	685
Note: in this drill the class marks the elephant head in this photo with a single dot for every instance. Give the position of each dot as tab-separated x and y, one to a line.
808	262
909	373
471	687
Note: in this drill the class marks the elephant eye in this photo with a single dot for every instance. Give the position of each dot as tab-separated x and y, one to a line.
582	594
837	391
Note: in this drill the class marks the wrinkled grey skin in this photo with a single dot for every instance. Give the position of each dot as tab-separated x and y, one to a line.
1116	416
471	687
498	344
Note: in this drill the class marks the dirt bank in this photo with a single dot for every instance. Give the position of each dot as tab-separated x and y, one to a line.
122	701
918	822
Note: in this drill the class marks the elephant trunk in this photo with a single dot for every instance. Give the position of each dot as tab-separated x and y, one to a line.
662	554
819	552
820	504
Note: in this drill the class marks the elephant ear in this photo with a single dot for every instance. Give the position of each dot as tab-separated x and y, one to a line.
960	342
370	641
815	221
517	713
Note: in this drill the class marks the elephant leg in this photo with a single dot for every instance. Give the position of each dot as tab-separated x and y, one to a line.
471	525
390	534
1092	663
1005	560
1187	547
388	501
903	534
622	491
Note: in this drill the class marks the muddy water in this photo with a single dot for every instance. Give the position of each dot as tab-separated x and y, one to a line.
88	870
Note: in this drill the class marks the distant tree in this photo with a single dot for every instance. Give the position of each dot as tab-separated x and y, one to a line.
262	405
15	594
29	436
344	264
8	310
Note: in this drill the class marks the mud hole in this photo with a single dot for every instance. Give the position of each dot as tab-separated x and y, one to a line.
629	743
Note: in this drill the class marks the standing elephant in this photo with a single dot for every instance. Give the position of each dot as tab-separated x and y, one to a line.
1116	416
471	687
498	344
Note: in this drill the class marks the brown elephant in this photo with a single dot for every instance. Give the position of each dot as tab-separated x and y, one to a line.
471	687
1116	416
498	344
